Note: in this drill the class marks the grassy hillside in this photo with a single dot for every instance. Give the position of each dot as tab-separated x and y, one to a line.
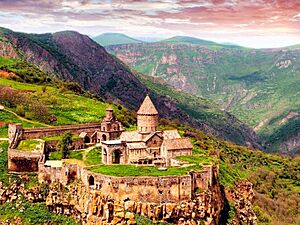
114	39
37	103
260	87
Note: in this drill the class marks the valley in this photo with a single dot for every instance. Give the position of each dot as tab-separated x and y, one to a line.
258	86
49	58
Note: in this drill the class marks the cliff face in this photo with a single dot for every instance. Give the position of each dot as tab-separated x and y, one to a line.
74	57
94	207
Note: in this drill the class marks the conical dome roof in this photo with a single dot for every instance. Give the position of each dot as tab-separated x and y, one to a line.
147	107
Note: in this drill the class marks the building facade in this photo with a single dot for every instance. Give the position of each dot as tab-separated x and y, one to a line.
146	145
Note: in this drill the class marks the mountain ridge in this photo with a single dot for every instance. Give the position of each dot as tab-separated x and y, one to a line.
115	39
74	57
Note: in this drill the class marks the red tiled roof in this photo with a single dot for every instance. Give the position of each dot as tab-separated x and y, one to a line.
177	143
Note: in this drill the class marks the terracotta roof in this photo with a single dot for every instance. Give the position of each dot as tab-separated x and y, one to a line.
170	134
138	145
131	136
147	107
158	133
178	143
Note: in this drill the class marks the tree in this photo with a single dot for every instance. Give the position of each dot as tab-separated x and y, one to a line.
65	143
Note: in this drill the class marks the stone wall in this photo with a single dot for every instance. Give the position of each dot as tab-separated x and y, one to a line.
144	189
63	175
96	207
32	133
16	132
51	146
23	161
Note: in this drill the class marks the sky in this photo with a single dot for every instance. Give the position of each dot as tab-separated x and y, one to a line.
250	23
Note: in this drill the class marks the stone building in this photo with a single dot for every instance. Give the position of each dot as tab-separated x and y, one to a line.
146	145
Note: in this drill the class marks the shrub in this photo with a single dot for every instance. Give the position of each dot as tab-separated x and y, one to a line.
20	110
64	144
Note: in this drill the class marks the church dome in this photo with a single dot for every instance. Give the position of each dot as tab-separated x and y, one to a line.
147	107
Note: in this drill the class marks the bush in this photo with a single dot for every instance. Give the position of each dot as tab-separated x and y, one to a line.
20	110
64	144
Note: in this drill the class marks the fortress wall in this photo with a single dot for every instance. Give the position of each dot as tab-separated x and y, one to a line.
51	146
31	133
23	161
62	175
202	180
144	189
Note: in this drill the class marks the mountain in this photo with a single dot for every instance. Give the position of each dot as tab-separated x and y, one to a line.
114	39
70	56
196	41
259	86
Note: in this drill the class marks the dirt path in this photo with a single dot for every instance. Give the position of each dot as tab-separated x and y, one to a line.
24	119
87	151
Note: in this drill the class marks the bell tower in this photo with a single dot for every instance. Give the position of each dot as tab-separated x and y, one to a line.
147	117
111	128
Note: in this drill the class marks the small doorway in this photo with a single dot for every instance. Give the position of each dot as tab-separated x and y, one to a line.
91	181
87	139
116	156
103	137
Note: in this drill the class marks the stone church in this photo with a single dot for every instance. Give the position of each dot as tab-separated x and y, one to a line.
146	145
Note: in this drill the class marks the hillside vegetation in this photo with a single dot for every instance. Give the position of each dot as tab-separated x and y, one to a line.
260	87
67	56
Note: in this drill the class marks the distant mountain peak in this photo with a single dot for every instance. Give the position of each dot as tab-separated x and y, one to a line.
189	40
106	39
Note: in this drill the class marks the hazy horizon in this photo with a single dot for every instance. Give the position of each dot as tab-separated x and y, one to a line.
255	23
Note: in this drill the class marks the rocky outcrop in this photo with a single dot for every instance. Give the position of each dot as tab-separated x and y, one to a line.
243	197
13	192
93	207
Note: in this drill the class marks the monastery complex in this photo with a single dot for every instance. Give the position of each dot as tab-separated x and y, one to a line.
146	146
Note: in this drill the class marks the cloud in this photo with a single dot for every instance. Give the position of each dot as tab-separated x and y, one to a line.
211	19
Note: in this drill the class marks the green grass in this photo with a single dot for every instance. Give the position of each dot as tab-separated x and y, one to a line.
11	118
4	176
28	145
93	157
68	107
198	160
33	214
72	155
59	137
131	170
